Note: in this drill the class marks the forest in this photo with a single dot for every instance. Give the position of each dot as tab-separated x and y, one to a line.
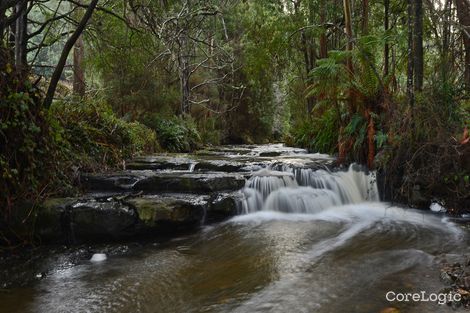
234	156
87	85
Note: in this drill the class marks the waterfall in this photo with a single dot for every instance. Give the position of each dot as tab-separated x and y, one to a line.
303	190
266	181
192	166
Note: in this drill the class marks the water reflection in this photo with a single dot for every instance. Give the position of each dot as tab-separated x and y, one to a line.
340	260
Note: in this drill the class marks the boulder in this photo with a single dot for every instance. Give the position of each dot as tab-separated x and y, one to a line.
96	220
223	206
49	222
154	212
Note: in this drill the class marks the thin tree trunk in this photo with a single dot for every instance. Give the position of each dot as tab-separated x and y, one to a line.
21	36
2	26
365	17
349	47
323	39
463	13
185	90
65	52
184	76
418	52
410	68
386	27
78	71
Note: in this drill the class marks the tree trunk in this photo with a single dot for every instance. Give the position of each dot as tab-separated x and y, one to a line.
418	53
387	46
365	17
185	90
349	47
410	67
463	13
78	56
370	139
65	52
2	24
78	71
323	39
21	36
183	63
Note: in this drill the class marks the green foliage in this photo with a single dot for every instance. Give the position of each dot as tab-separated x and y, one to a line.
422	149
356	131
176	134
209	129
131	80
319	134
24	142
92	135
380	139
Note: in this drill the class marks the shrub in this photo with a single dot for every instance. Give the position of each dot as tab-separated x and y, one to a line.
423	158
176	134
320	134
92	136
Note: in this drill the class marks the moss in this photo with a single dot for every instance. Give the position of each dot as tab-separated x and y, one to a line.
150	211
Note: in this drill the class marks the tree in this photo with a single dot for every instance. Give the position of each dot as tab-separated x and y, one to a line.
387	45
184	29
410	54
78	71
65	53
463	13
418	53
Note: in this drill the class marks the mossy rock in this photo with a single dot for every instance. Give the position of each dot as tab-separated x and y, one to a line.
152	211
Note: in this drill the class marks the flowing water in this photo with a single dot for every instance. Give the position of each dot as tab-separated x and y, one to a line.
306	240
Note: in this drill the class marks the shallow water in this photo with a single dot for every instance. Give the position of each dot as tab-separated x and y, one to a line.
308	241
343	259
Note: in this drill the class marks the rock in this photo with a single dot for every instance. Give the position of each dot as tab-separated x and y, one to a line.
220	166
464	281
191	182
446	278
223	205
94	220
160	162
417	199
98	257
270	154
436	207
164	182
117	181
153	211
168	213
49	224
75	220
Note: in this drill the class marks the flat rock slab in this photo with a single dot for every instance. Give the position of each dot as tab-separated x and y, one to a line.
76	220
153	210
161	162
199	163
227	162
160	182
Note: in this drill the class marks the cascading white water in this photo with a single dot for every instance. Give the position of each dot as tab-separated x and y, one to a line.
303	190
266	181
192	166
301	200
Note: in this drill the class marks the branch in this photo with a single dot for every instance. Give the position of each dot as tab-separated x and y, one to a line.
65	52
